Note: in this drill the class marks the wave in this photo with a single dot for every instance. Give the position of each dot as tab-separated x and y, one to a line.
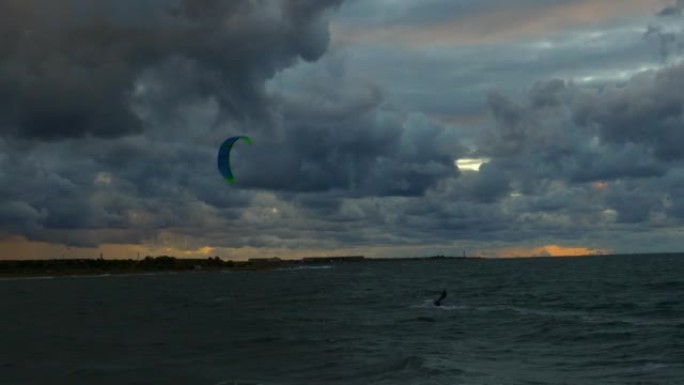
430	304
665	285
241	382
70	276
323	267
391	370
27	278
88	275
576	315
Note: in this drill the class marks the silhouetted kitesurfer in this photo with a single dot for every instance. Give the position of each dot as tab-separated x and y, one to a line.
438	302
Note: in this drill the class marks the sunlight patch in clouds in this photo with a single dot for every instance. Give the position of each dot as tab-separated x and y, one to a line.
470	164
623	74
103	178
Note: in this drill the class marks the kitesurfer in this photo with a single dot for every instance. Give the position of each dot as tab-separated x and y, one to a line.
438	302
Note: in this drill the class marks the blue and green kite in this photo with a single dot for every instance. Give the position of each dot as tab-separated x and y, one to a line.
224	157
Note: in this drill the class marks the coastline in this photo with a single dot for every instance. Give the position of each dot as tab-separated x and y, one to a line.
48	268
51	268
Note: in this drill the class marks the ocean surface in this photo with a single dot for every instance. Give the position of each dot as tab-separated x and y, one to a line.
598	320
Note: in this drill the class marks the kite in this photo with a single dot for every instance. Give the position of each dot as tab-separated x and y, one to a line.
224	157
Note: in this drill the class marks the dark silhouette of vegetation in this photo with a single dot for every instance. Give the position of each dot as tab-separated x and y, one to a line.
164	263
104	266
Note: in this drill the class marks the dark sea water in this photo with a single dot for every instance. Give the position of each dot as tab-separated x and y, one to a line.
600	320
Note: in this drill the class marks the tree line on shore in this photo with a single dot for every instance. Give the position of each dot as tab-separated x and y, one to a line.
165	263
101	265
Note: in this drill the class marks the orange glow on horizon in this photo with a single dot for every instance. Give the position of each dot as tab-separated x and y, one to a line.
548	251
18	248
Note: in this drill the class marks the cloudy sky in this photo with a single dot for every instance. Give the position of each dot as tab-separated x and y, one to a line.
380	127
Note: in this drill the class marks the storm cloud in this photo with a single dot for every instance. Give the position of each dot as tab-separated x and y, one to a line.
74	68
111	116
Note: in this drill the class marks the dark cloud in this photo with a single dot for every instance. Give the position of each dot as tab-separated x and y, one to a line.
611	162
581	135
330	138
666	31
348	151
614	148
75	68
86	192
667	41
335	134
647	111
360	155
635	203
141	96
156	82
674	9
489	185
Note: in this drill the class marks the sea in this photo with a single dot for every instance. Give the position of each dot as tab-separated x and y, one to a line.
594	320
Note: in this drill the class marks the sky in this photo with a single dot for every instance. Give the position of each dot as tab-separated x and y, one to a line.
384	128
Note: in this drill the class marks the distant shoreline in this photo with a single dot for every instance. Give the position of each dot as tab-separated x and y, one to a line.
166	264
48	268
